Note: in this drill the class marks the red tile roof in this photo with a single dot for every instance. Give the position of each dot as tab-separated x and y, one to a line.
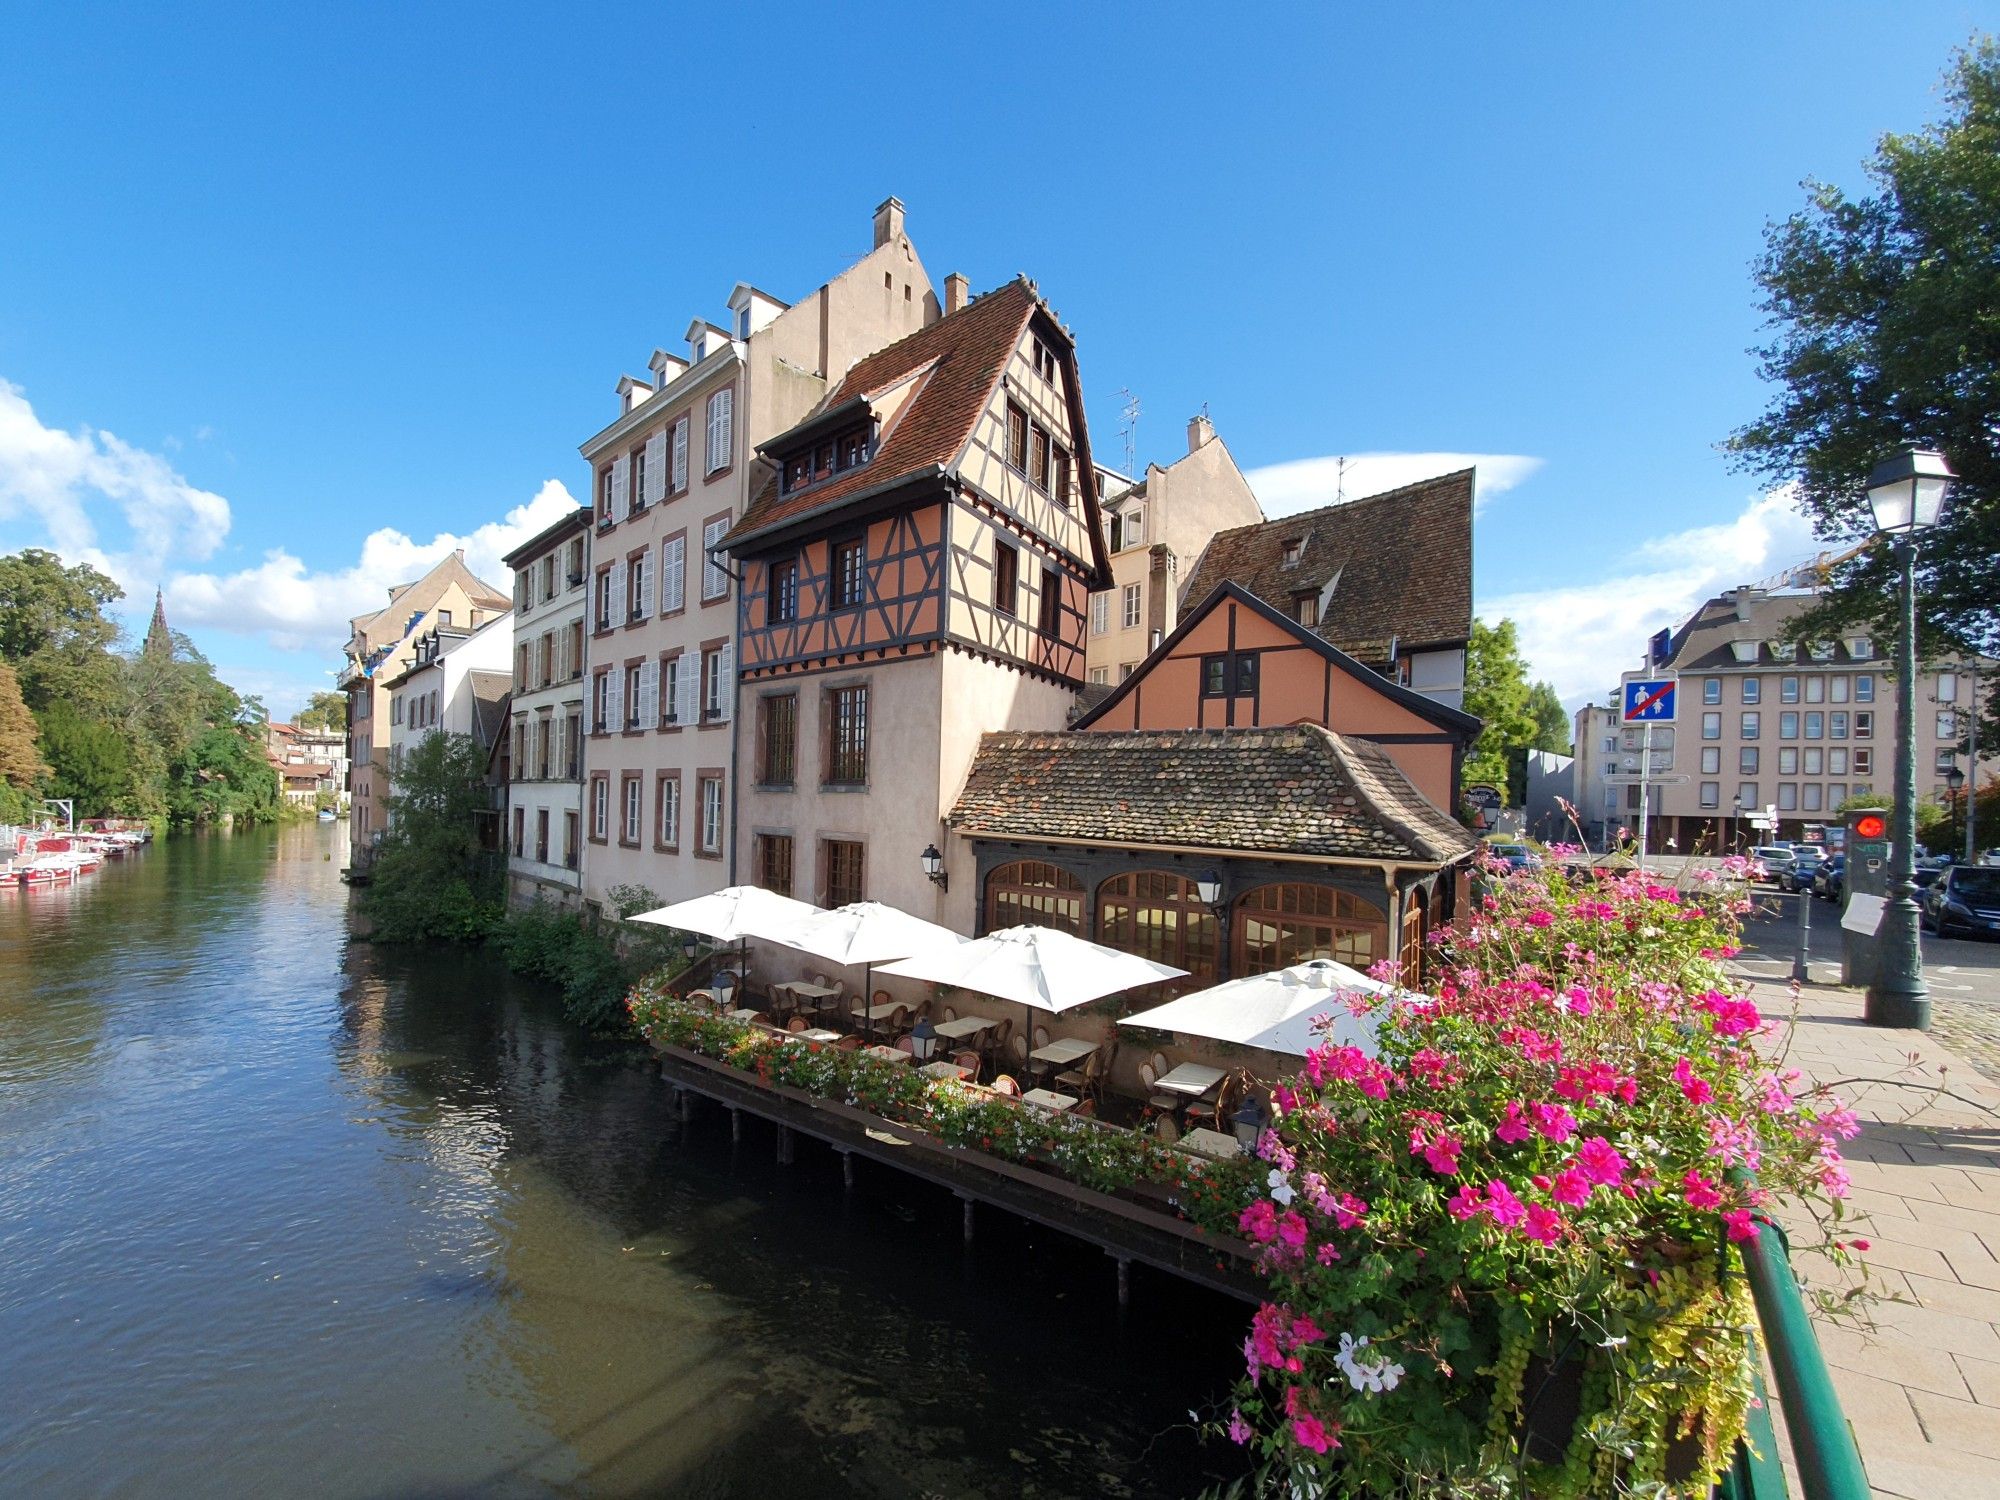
961	357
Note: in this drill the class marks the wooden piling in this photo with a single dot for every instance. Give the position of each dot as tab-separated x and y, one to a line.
736	1125
847	1169
968	1217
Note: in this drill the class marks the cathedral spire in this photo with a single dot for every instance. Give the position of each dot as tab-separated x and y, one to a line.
159	640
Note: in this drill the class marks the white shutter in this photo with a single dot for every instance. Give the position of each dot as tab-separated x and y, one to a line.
725	672
646	586
656	468
688	688
673	574
618	481
681	454
649	694
618	591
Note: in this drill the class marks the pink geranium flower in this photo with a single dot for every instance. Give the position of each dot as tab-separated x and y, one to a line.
1554	1121
1570	1187
1599	1161
1701	1192
1741	1225
1543	1224
1514	1128
1693	1085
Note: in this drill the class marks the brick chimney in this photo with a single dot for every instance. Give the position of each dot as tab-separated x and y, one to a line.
888	221
957	292
1201	432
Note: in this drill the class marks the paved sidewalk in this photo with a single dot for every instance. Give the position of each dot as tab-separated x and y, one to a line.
1922	1387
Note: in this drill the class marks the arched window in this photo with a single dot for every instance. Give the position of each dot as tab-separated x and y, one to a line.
1033	891
1160	916
1281	925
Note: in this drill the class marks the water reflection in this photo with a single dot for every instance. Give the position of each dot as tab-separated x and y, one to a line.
282	1212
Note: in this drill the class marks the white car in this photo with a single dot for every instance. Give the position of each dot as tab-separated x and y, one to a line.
1776	860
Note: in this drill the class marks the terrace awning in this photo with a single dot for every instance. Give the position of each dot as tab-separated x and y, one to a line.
1279	1012
738	911
1038	967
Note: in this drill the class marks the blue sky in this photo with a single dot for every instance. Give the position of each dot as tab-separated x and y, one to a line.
290	301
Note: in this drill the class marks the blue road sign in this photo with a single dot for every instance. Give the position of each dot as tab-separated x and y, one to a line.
1650	702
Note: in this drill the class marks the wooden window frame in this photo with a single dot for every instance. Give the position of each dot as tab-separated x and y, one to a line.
598	713
669	700
1007	579
661	844
704	777
1016	438
1013	899
599	786
855	755
1049	604
827	857
838	578
774	848
781	595
1339	923
1119	923
768	767
631	823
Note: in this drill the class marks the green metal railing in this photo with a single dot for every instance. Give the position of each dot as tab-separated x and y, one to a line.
1829	1464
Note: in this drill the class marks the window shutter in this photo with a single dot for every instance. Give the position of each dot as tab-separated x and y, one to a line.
618	587
725	674
681	454
649	694
656	468
673	574
688	688
618	483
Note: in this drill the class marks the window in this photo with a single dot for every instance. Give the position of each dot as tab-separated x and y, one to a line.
1711	690
603	598
711	815
636	469
847	736
600	703
1100	676
1788	796
1864	762
548	577
1045	362
1034	893
1944	759
1836	689
575	568
569	841
680	463
1788	726
1126	669
774	862
1751	724
1746	761
1039	455
1305	606
714	580
1711	794
1820	650
673	574
1293	553
1050	603
1281	925
520	842
1947	687
604	483
1159	915
1017	437
718	687
851	575
1836	761
631	716
574	661
669	833
544	765
1836	793
1814	761
1061	492
1788	761
1006	577
1864	724
1130	604
1228	675
635	588
778	735
1836	724
1947	724
1864	689
1860	647
1100	613
721	429
1810	801
783	601
1747	794
1611	799
1711	726
572	746
1815	690
845	861
1788	690
1711	759
600	807
1753	690
1815	726
1128	528
671	691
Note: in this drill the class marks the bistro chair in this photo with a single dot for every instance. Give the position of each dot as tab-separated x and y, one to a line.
1041	1037
968	1061
849	1043
899	1018
1087	1108
1167	1131
904	1044
1088	1081
1157	1097
1019	1047
703	998
1006	1086
996	1039
950	1014
1215	1112
797	1023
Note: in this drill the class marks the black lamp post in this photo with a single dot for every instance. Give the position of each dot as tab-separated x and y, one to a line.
1907	494
1954	781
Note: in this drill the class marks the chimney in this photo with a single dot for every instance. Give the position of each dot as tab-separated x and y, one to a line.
888	221
1201	432
957	292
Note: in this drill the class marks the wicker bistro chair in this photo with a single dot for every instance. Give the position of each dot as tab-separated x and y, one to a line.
996	1040
905	1044
1006	1086
969	1061
1158	1098
1088	1080
849	1043
1215	1112
796	1024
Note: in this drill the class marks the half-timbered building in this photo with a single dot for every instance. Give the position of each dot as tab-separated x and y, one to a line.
915	571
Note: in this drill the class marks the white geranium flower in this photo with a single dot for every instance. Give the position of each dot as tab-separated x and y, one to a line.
1281	1188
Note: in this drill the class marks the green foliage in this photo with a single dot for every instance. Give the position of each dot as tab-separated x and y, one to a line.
431	880
582	960
21	765
89	761
54	631
1885	311
1937	826
1517	715
323	711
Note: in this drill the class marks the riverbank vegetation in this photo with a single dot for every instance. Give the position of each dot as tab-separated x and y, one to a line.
435	880
152	733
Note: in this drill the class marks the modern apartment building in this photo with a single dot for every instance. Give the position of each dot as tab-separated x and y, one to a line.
670	477
379	647
1156	528
1387	579
915	574
1600	803
1762	723
544	833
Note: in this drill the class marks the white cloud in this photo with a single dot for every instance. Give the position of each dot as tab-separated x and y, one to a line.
298	608
1308	483
53	477
1580	637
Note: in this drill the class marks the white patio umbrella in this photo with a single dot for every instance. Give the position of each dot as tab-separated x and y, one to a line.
865	933
1276	1011
732	914
1040	968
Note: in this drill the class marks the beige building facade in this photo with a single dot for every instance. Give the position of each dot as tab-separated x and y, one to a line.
544	829
380	647
1155	529
670	477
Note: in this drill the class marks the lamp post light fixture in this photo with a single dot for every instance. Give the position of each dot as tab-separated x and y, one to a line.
923	1041
934	867
1954	781
1907	493
1208	889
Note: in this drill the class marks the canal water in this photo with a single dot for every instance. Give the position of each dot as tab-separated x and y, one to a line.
286	1213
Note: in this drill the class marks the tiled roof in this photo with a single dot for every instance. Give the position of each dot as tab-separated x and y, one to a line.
1706	642
1404	558
961	356
1297	790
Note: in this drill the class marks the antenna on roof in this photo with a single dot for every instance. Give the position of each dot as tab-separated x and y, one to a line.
1130	431
1340	479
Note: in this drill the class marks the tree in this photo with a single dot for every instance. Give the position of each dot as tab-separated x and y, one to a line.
430	878
1886	317
21	763
1517	715
327	711
54	630
89	762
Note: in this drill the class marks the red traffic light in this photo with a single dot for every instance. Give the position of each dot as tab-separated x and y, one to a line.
1870	827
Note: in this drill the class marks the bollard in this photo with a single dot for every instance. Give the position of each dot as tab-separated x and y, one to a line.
1804	952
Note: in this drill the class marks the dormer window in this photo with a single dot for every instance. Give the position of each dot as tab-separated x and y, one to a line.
1820	650
1128	528
1860	648
819	463
1782	651
1305	606
1294	553
1744	651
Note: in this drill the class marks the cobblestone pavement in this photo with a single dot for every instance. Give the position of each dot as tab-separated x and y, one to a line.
1970	1029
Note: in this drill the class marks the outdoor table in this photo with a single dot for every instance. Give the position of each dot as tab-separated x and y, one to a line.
1204	1142
745	1014
1063	1051
1191	1078
965	1028
888	1054
1049	1099
883	1012
945	1070
815	1034
820	995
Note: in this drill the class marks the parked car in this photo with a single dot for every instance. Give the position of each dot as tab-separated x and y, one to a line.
1964	899
1806	858
1515	856
1776	860
1830	878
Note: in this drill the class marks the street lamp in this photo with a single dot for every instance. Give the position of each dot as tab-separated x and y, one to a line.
1954	781
934	867
1208	888
1907	493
